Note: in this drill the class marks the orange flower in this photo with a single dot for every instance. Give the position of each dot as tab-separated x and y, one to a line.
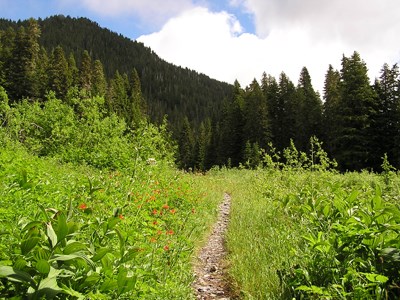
169	232
166	248
82	206
155	222
121	217
165	206
193	211
155	211
159	232
153	240
172	211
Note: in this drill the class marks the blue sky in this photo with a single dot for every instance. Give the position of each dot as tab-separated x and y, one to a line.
241	39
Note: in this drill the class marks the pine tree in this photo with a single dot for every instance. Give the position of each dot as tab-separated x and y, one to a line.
232	128
137	104
58	73
357	108
386	136
257	124
308	111
22	72
203	145
186	144
331	108
85	72
99	85
73	71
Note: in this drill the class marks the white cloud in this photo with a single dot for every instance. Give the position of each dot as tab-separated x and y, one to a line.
152	12
290	34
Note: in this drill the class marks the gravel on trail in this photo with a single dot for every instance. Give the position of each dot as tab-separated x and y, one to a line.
210	269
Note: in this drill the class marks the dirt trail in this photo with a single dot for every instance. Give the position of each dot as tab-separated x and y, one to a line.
210	270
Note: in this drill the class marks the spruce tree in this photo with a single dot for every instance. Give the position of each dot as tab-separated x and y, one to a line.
386	135
99	82
331	108
59	73
309	111
186	144
257	124
85	72
357	110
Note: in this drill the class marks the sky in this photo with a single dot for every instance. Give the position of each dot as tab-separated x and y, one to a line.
241	39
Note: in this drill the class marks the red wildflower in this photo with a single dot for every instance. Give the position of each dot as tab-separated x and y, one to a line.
169	232
166	248
172	211
82	206
155	222
153	240
165	206
121	217
154	211
159	232
193	211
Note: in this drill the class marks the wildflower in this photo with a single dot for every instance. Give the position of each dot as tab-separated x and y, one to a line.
165	206
155	211
121	217
166	248
155	222
193	211
153	240
159	232
169	232
172	211
82	206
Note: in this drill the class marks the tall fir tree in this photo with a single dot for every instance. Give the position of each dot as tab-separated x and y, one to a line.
331	108
358	109
309	112
257	124
386	136
85	72
99	81
22	71
186	145
58	73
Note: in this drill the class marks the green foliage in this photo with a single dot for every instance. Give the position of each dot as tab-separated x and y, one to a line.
71	231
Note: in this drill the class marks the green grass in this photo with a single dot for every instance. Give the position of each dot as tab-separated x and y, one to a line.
73	231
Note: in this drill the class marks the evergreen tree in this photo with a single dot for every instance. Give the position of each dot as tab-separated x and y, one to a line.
357	108
285	113
137	104
99	85
386	136
186	144
203	145
118	96
308	111
85	72
22	72
58	73
73	71
232	128
257	125
331	108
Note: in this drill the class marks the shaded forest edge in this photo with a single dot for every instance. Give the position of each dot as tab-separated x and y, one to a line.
213	123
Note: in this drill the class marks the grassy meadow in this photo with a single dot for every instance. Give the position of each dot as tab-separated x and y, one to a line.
74	231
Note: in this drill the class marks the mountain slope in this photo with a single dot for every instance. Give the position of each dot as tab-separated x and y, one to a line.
168	89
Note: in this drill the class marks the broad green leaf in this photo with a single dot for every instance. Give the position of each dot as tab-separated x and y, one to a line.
43	266
16	275
51	234
31	225
20	264
112	222
91	280
74	247
109	285
125	283
28	244
376	277
48	287
71	292
62	227
100	253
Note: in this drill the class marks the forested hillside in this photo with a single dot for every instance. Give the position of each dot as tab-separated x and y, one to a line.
168	89
213	123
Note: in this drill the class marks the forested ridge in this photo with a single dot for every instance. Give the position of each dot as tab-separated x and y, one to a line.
213	123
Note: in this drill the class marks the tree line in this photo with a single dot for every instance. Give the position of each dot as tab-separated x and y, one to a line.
357	122
213	123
